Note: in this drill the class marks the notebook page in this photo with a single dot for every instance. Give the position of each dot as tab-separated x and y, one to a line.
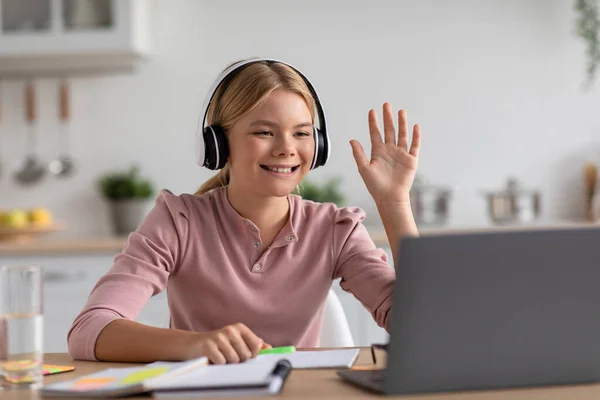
227	375
342	358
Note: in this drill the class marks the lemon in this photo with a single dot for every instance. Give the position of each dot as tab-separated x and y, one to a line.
40	216
14	218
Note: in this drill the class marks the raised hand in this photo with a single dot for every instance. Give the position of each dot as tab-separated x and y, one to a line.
390	172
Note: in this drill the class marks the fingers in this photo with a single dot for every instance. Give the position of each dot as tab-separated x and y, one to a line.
233	344
374	129
402	130
213	353
253	343
226	347
388	124
238	342
359	154
416	141
389	129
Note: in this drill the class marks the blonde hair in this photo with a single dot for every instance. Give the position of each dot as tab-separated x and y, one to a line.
243	91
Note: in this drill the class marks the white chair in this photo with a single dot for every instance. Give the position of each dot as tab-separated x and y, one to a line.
335	331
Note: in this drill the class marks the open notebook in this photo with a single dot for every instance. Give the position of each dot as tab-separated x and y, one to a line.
116	382
339	358
175	379
246	379
264	375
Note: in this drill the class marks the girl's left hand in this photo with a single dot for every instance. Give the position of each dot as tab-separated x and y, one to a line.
390	173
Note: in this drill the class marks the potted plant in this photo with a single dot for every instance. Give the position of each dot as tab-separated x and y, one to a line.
588	28
128	196
328	191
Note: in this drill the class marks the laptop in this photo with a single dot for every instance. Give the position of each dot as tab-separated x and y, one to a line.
490	310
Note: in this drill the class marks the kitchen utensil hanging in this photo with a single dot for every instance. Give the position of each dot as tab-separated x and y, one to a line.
32	170
63	166
1	130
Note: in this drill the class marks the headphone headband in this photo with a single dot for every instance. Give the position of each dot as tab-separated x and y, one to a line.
322	125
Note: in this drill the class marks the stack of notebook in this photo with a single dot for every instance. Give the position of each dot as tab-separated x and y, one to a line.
263	375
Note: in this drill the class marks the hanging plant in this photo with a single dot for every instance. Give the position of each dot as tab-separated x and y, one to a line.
588	28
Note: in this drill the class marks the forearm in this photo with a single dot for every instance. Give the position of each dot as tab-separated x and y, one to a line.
398	221
123	340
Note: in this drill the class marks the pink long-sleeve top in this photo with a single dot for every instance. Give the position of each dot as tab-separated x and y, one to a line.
216	271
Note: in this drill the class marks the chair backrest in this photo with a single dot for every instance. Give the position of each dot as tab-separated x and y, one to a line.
335	331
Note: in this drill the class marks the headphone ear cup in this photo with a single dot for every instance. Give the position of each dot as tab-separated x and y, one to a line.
216	148
321	144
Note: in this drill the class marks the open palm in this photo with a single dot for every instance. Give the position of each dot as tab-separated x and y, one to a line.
390	172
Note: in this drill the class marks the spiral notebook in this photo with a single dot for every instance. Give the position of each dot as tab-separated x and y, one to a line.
230	380
261	376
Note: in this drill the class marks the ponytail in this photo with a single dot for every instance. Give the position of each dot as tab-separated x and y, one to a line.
221	179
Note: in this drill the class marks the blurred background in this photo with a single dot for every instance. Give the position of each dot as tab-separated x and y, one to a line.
501	89
498	87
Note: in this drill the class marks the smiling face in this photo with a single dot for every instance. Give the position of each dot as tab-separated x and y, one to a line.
271	148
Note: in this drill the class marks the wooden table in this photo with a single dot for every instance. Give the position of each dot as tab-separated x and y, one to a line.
325	383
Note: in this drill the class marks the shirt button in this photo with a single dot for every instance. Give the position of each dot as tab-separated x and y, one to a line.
257	244
290	238
257	267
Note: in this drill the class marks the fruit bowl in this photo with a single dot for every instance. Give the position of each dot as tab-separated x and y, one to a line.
27	232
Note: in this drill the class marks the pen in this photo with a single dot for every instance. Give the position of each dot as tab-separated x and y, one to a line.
278	350
279	375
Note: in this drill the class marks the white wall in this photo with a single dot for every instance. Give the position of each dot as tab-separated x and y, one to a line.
496	86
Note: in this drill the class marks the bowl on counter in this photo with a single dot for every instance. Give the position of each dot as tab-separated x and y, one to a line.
514	204
23	225
27	233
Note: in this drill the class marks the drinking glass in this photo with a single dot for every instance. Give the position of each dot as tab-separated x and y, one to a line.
21	326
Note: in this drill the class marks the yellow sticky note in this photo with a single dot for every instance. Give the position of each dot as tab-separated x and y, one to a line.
142	375
49	369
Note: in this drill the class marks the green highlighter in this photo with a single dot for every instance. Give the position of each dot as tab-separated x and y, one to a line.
278	350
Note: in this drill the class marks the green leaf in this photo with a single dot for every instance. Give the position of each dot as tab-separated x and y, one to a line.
587	26
125	185
327	192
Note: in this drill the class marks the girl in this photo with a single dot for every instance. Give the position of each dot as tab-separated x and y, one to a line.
247	264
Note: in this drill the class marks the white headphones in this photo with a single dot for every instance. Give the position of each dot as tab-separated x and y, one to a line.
211	142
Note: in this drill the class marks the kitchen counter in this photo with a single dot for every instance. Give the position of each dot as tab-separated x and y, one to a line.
78	245
110	244
63	245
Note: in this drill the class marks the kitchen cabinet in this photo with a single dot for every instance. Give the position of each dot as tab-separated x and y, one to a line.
68	281
54	37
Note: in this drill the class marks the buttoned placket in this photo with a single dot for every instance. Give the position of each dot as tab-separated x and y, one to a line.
255	247
258	255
